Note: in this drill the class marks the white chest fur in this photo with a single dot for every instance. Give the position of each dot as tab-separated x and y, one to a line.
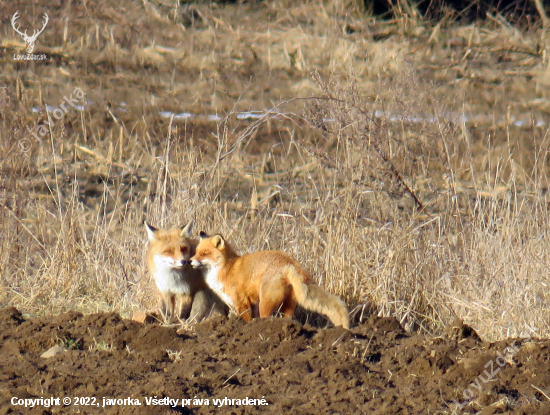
168	278
216	285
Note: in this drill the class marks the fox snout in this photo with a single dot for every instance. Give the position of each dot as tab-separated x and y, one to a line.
195	263
181	263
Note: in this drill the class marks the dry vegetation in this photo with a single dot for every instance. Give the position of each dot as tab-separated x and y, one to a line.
415	184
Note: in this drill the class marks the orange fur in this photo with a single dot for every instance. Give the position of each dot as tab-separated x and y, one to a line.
182	288
260	283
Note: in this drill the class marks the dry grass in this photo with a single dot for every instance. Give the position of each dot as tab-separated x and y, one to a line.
382	190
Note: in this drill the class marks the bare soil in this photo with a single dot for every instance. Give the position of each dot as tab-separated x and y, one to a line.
374	368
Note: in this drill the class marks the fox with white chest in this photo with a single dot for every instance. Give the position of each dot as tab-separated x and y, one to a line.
183	289
258	284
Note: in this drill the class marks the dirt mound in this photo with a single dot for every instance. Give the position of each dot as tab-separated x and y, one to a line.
273	365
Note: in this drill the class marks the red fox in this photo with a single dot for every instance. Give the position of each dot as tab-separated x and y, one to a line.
176	279
258	284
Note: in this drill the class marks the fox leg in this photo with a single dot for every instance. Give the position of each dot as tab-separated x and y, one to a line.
272	294
244	309
184	306
168	300
245	314
289	305
267	307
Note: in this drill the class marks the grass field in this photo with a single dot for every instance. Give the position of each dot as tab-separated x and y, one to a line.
404	162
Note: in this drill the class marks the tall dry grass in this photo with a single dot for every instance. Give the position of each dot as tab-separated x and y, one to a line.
406	217
442	224
384	193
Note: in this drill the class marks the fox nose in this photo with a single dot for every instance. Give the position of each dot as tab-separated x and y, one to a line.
183	262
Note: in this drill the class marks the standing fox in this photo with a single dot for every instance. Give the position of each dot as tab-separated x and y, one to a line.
168	262
260	283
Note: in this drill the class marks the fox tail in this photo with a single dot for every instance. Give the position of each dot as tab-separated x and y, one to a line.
314	298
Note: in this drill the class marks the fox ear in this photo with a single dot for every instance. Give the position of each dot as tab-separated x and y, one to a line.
151	230
186	230
203	235
218	242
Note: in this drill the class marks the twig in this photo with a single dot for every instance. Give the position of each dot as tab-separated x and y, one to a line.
400	179
227	380
542	12
540	390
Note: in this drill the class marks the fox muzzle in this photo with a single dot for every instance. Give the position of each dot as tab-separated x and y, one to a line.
195	263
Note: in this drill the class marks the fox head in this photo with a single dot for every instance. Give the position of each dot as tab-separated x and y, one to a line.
211	251
169	248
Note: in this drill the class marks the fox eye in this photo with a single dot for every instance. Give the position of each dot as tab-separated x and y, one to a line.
205	253
169	252
183	248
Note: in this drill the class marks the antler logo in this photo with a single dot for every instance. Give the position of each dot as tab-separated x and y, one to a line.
29	40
